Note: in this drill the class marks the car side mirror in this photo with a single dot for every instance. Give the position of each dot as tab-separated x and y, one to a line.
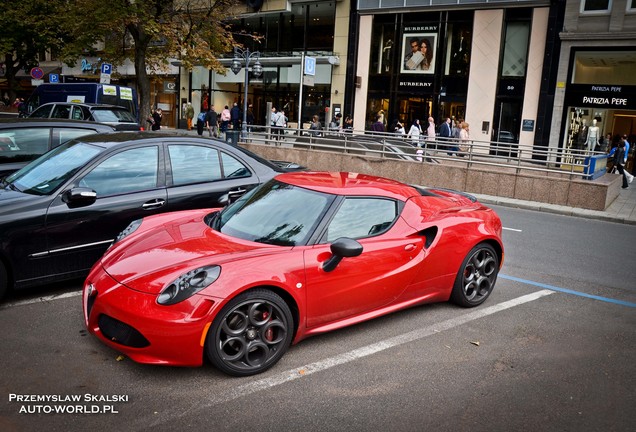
79	197
342	247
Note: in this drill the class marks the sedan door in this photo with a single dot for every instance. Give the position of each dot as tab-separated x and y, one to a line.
129	186
198	175
369	281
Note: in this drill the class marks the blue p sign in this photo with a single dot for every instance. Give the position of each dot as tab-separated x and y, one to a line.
107	68
54	78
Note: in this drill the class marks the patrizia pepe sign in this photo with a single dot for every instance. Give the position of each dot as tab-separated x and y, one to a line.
601	96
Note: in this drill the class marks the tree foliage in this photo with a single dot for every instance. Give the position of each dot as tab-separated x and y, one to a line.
152	33
30	28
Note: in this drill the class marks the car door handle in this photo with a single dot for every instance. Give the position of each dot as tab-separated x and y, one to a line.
153	204
410	247
236	192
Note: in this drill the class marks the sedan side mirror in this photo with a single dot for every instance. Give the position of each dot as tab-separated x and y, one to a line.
342	247
79	197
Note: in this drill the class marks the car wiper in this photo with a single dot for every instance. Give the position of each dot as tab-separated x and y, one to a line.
14	187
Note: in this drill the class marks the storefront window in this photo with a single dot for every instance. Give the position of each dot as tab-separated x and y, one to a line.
458	50
384	47
604	67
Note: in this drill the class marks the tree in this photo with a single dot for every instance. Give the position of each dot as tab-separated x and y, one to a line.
152	33
28	29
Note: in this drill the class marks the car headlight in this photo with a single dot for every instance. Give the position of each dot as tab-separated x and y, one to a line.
187	285
131	228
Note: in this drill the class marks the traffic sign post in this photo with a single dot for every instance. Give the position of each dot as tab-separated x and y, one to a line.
37	73
54	78
106	70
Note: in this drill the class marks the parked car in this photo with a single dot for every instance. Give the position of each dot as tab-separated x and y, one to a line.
22	140
59	213
303	254
119	117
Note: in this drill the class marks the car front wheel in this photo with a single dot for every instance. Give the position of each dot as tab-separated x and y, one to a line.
476	277
250	334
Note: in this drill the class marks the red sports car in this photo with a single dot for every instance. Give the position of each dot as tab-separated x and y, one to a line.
303	254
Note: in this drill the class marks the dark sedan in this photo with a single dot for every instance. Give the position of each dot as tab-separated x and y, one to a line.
22	140
118	117
60	213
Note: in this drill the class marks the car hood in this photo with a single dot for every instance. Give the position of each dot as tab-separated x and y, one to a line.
12	202
151	259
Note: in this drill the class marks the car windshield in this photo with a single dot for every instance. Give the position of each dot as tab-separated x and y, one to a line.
52	169
113	116
275	213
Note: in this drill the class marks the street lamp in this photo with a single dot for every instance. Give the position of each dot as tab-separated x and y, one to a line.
246	56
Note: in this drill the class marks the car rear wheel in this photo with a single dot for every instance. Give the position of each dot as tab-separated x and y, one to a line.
476	277
250	334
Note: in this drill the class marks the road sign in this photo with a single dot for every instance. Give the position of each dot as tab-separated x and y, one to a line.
54	78
107	68
37	73
310	66
104	78
308	80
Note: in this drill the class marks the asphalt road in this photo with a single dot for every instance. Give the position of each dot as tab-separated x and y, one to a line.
552	349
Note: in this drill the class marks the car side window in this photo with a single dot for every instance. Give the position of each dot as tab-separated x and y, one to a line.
133	170
42	112
61	112
61	135
23	144
76	113
194	164
233	168
362	217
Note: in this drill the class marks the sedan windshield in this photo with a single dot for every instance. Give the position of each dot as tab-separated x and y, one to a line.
113	116
49	171
275	213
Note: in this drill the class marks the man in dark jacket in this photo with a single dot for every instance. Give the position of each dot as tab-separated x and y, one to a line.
445	134
212	122
235	116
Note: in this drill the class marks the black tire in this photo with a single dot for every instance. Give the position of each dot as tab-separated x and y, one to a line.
250	334
4	282
476	277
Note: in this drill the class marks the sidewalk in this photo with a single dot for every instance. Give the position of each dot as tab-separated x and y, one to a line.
622	210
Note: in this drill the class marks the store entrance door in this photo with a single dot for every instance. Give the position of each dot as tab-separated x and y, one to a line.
506	129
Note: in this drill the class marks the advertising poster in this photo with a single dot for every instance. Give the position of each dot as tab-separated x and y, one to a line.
418	56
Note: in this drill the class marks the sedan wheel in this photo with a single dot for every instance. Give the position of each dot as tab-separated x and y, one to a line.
250	334
476	277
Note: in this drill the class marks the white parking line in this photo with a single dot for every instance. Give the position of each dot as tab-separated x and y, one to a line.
512	229
294	374
40	299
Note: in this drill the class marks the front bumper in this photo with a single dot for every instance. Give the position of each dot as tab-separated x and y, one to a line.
132	322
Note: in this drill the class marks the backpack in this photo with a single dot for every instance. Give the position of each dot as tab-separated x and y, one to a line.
201	116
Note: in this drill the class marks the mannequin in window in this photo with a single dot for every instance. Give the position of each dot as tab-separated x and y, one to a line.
582	138
592	136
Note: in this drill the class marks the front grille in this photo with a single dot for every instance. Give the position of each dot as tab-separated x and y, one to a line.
121	333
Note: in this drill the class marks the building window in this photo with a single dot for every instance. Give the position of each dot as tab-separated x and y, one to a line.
596	5
515	57
631	5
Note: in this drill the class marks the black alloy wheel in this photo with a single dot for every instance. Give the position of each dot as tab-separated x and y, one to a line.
250	334
476	277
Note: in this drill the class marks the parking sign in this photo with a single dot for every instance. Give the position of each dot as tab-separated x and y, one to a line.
107	68
310	66
54	78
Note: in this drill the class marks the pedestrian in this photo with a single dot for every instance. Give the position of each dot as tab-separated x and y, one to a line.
249	118
378	126
348	124
464	138
156	117
212	122
430	133
315	127
273	118
623	139
399	129
281	124
415	132
189	112
445	134
619	161
235	117
226	117
201	122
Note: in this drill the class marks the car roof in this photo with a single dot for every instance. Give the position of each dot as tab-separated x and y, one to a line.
86	104
124	138
47	122
349	183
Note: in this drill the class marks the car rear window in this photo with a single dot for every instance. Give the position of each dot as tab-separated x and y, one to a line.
23	144
113	116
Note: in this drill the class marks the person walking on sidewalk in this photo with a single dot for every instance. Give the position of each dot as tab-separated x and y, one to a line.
619	156
212	122
189	112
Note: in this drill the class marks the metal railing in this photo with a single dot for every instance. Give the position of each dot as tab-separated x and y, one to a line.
513	157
